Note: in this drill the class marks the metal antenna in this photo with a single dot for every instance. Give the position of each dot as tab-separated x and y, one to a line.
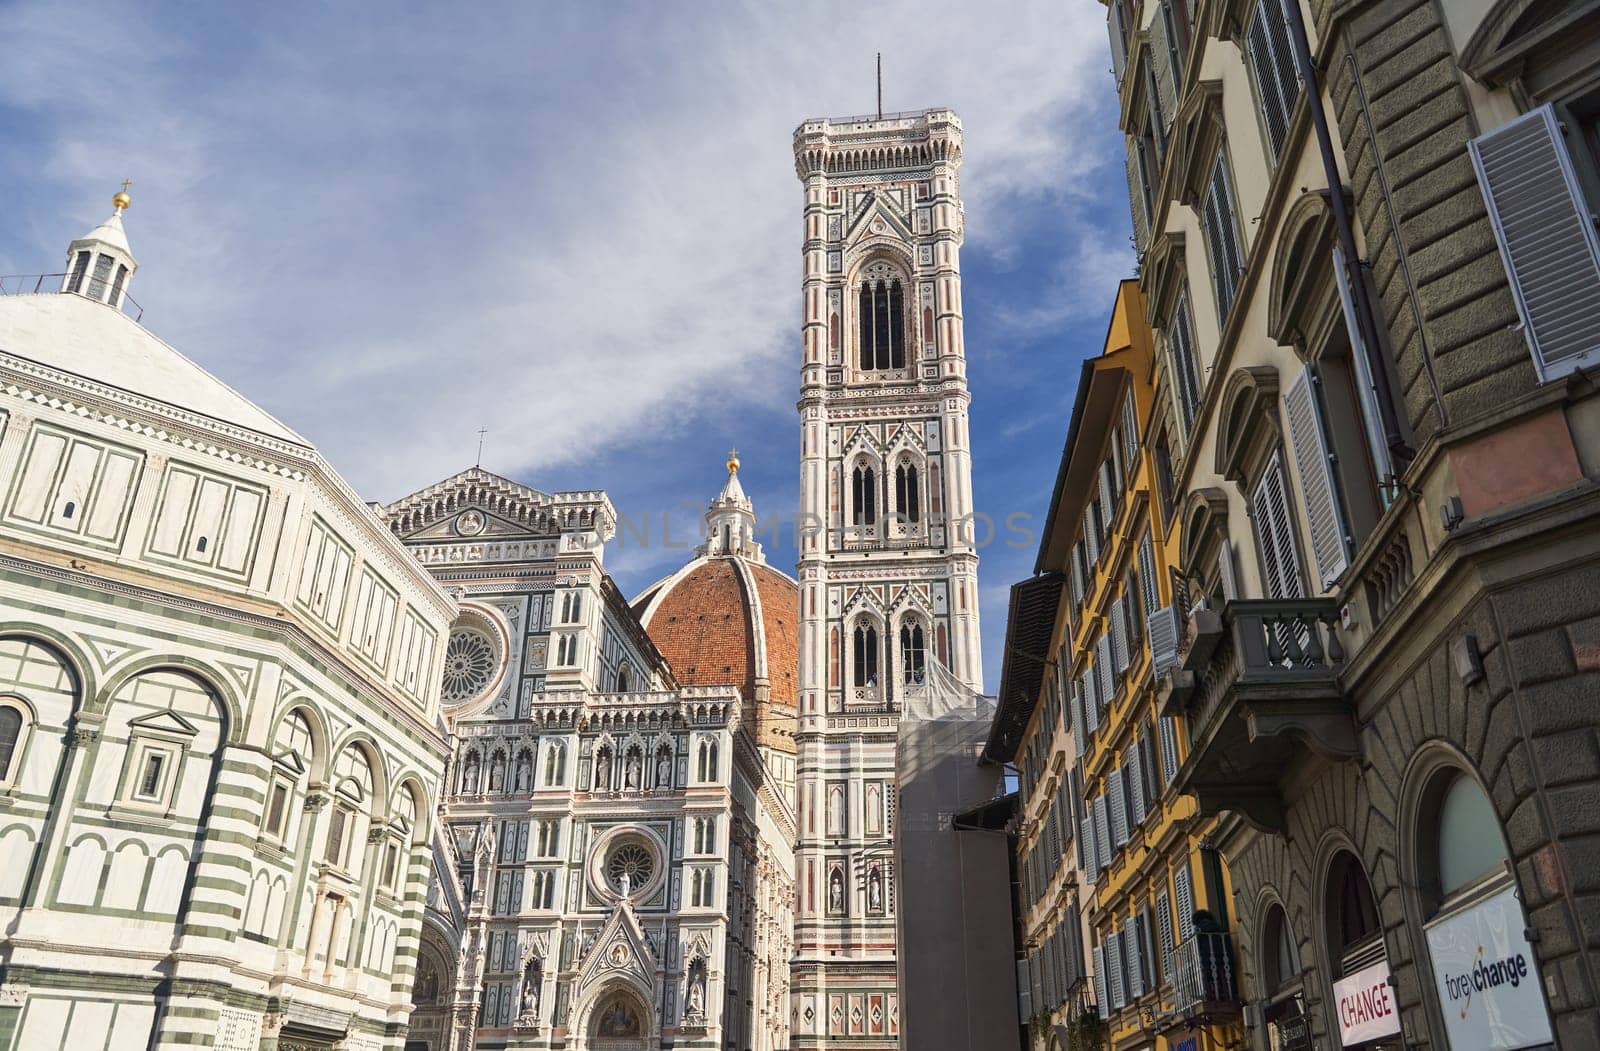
481	432
880	85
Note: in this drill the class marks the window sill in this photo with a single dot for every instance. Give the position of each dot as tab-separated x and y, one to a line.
270	846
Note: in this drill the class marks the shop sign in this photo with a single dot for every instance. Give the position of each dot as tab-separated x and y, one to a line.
1486	977
1364	1003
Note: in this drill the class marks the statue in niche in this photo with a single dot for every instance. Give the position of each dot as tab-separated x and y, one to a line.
875	889
469	774
602	770
836	891
524	776
697	994
497	773
663	769
532	979
631	775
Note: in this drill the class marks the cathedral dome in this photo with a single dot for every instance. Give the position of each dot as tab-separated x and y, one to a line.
728	618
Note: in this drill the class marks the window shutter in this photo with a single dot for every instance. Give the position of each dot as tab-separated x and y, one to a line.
1086	858
1169	749
1186	373
1119	635
1222	236
1147	575
1114	965
1137	195
1119	810
1102	830
1226	569
1367	394
1164	638
1130	433
1271	96
1164	928
1091	712
1136	784
1024	991
1275	533
1116	25
1161	72
1311	457
1152	963
1091	537
1184	892
1103	659
1076	704
1108	495
1100	999
1130	941
1547	238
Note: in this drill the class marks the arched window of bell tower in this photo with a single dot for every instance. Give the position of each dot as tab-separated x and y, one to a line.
880	319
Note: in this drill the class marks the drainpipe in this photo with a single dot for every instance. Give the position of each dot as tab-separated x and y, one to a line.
1365	310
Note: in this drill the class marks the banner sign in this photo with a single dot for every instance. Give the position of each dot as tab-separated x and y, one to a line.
1364	1002
1487	979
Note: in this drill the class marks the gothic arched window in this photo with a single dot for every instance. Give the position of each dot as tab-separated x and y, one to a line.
913	653
866	655
881	327
908	492
623	681
864	495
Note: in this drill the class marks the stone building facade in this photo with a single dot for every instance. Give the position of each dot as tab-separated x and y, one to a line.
613	868
888	567
219	740
1380	436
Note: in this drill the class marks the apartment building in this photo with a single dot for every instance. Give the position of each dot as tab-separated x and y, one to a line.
1367	251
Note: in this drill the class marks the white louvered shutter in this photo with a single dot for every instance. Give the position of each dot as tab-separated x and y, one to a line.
1114	965
1091	711
1102	830
1130	941
1547	238
1108	494
1137	193
1147	576
1119	811
1164	929
1119	635
1275	533
1183	891
1136	788
1367	393
1164	638
1330	548
1152	964
1117	26
1091	539
1100	998
1076	704
1103	666
1164	103
1076	577
1024	991
1130	433
1169	749
1085	847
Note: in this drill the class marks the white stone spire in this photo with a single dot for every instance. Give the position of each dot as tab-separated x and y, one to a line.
100	264
731	520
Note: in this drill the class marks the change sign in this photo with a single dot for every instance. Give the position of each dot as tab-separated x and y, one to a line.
1365	1005
1487	979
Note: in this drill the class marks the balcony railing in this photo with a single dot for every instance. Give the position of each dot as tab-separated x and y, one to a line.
1201	975
38	284
1255	680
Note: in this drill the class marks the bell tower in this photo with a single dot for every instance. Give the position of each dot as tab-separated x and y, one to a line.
888	564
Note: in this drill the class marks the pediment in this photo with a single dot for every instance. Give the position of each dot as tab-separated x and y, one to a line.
620	949
167	722
877	218
472	504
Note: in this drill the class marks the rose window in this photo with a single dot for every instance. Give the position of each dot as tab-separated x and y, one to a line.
469	664
630	862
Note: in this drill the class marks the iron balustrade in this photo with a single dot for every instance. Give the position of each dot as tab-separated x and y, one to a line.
1200	973
43	284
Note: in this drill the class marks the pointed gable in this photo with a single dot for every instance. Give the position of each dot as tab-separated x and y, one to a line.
504	508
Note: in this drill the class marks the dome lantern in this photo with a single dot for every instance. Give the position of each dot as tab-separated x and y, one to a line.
100	264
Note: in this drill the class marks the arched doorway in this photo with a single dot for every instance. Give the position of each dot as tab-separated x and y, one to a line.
620	1021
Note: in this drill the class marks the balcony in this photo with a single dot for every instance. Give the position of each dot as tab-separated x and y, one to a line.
1259	683
1201	978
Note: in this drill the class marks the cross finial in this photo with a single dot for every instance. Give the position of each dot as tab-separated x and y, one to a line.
880	85
125	184
481	432
733	461
121	200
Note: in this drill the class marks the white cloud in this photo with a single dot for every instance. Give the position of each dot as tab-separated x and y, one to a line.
573	226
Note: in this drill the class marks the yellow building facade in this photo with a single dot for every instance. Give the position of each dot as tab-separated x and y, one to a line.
1096	759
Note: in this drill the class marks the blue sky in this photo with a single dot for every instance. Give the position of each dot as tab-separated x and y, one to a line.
576	225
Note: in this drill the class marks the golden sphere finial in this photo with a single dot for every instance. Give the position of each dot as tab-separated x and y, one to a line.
122	200
733	461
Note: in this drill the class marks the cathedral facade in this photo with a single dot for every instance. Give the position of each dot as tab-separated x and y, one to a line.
614	863
888	560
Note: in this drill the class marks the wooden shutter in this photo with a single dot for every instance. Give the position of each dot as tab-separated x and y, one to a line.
1162	75
1102	830
1164	927
1103	665
1280	558
1313	460
1100	998
1024	990
1147	575
1169	749
1130	433
1091	538
1547	238
1183	891
1117	26
1119	995
1086	855
1130	940
1367	394
1076	704
1119	634
1108	494
1164	638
